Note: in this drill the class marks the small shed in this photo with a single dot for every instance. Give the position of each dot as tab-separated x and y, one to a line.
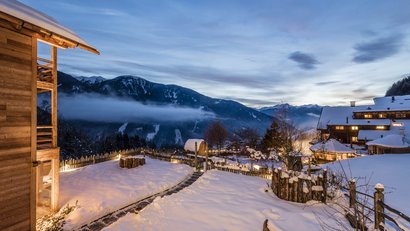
190	146
331	150
393	143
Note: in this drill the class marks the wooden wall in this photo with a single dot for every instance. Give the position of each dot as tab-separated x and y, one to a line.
17	124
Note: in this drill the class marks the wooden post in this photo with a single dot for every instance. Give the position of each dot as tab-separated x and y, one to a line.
295	189
378	208
196	153
206	159
286	188
272	185
324	195
309	169
352	193
54	96
309	195
278	186
300	190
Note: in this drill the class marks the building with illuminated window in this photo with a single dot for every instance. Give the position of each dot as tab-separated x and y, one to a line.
376	127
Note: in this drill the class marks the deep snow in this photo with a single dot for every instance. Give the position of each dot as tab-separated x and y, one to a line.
226	201
392	170
105	187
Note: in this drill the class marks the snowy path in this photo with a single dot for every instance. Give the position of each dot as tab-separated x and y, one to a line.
110	218
105	187
227	201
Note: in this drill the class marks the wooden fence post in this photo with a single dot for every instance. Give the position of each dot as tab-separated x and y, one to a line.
324	186
352	193
378	208
273	180
278	186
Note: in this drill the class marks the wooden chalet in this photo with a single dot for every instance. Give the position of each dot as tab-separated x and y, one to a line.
357	125
29	154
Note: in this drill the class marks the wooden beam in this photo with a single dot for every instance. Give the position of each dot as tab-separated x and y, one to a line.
55	188
18	25
44	85
33	185
48	154
54	96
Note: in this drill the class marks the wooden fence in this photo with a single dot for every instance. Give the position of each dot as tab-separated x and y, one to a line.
263	174
93	159
299	187
380	210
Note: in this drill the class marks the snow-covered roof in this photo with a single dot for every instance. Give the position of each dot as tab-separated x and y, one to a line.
389	103
331	145
390	141
190	144
373	134
27	14
343	115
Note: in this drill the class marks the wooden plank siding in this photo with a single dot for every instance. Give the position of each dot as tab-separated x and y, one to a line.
17	209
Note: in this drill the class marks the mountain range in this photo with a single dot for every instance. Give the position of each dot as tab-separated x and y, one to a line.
166	115
163	114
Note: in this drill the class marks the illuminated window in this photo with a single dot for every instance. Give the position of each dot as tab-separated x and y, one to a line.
397	124
354	138
355	128
368	116
382	116
339	127
380	127
400	115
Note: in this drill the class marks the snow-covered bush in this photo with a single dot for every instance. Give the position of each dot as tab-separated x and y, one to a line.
54	222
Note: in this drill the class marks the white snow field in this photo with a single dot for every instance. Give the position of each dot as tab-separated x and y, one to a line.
227	201
391	170
105	187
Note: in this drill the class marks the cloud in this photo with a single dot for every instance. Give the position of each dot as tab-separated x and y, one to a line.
305	61
91	107
377	49
326	83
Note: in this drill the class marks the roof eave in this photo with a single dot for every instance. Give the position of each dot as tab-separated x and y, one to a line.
44	34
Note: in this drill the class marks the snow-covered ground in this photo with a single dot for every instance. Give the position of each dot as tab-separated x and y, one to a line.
392	170
105	187
226	201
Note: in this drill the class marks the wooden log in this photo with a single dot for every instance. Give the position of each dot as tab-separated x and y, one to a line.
352	193
324	194
295	189
278	186
300	189
378	208
309	187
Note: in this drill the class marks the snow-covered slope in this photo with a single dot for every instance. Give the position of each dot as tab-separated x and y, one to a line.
391	170
226	201
105	187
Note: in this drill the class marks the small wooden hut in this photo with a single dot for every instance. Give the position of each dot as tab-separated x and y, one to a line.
29	155
393	143
331	150
200	143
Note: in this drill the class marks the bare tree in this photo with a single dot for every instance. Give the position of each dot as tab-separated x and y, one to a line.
216	134
248	137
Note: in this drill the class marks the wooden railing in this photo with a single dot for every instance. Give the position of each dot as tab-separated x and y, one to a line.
98	158
378	208
44	137
44	70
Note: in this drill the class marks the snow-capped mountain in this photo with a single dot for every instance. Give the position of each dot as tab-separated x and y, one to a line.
90	80
131	88
305	116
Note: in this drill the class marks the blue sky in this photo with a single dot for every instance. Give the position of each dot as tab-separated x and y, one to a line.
259	53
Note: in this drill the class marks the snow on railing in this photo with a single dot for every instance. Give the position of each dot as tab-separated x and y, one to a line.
74	163
381	211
